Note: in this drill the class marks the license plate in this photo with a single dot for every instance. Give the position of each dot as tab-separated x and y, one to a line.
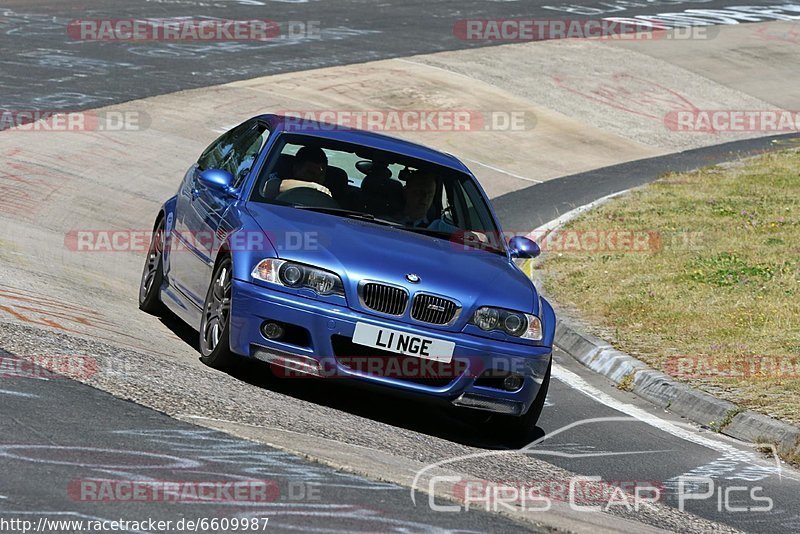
404	343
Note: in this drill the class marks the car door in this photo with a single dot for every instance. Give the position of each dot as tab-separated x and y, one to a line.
201	209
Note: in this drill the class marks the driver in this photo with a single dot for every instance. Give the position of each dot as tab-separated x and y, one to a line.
418	194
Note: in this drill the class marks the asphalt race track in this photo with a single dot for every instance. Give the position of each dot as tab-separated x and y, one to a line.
45	68
57	431
536	205
128	442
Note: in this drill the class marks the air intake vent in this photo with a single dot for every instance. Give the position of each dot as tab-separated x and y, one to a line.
433	310
384	299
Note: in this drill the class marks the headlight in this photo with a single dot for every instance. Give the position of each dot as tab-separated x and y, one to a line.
297	275
291	275
513	323
486	318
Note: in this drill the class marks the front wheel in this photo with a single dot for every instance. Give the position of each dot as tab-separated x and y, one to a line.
216	321
153	273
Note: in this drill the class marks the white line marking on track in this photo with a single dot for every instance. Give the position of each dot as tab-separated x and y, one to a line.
497	169
18	394
579	384
563	219
532	180
470	78
576	382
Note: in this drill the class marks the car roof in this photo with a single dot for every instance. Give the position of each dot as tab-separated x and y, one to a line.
354	136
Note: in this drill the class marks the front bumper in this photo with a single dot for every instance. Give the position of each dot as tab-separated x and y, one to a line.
326	348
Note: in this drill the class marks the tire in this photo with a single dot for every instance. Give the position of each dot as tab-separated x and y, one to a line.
215	324
153	273
522	430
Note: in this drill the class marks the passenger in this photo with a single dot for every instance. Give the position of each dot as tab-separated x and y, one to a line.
308	170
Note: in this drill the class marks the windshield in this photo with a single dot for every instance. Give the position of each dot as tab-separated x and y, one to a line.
383	187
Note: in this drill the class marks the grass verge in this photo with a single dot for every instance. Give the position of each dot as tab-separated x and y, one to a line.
698	275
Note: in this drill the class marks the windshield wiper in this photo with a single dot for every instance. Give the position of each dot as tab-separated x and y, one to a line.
428	231
350	214
444	234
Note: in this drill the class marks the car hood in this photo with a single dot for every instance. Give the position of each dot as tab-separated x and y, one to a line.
360	250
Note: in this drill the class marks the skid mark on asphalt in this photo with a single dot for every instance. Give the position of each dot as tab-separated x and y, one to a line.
628	93
36	309
16	197
26	185
29	308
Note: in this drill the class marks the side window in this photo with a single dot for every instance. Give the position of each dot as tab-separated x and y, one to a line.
236	150
217	152
246	149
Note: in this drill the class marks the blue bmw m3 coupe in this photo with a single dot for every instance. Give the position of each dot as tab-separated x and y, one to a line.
332	252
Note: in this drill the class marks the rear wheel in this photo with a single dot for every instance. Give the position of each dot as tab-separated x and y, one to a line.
153	273
522	430
215	324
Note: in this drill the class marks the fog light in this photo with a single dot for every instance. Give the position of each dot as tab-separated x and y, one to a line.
272	330
512	382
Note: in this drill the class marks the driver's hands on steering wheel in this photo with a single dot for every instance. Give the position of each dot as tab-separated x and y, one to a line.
286	185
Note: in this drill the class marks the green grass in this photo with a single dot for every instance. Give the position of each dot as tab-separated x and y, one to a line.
722	289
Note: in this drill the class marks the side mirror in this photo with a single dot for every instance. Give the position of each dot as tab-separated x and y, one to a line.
217	179
522	247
